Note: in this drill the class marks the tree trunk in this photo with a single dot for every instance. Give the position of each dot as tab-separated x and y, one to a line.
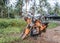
8	13
1	13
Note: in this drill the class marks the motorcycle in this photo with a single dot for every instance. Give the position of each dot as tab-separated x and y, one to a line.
34	26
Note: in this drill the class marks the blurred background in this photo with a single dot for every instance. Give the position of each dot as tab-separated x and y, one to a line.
13	11
18	8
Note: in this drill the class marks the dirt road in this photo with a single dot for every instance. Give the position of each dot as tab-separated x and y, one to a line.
51	36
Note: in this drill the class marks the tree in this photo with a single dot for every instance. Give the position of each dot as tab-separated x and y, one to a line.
57	8
42	4
2	8
20	5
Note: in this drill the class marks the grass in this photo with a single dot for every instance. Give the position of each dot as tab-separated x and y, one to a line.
8	39
10	29
9	34
52	25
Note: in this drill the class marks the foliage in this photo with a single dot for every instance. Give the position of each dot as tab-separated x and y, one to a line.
11	22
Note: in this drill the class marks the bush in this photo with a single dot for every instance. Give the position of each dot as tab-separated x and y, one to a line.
11	22
3	24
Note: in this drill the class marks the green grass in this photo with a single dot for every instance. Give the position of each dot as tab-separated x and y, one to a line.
8	39
9	34
52	25
10	29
